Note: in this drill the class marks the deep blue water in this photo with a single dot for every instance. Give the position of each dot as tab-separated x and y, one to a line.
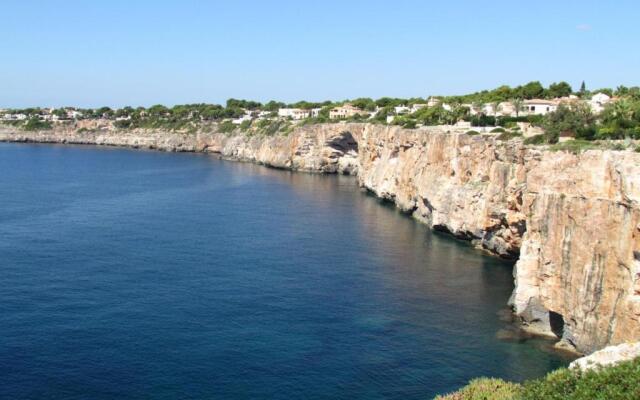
135	275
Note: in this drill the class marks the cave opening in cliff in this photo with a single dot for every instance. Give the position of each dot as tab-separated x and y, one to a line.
556	323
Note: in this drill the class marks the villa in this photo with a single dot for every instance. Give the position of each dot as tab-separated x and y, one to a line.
294	113
598	101
539	106
417	106
399	110
345	111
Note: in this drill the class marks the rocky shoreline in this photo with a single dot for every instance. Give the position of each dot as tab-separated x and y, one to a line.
572	222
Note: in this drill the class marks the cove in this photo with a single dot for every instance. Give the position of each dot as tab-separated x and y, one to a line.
140	274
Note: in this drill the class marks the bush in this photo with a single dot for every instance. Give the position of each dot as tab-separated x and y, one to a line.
498	130
410	124
226	127
472	133
34	124
506	135
483	389
536	139
620	382
245	125
574	146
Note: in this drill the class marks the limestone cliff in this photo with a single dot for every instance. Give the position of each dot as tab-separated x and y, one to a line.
571	221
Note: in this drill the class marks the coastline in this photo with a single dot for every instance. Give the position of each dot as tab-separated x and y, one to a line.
525	204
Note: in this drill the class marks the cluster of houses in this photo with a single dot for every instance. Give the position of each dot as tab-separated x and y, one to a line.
341	112
45	114
597	104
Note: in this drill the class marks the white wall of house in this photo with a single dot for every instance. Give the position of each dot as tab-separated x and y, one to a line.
598	102
538	107
294	113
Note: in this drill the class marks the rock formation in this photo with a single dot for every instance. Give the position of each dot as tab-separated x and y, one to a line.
611	355
571	221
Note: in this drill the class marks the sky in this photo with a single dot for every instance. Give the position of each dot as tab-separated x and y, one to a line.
116	53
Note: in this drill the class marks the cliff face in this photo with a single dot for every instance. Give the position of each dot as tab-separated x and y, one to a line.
572	221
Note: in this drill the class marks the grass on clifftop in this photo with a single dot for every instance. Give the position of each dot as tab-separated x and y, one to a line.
620	382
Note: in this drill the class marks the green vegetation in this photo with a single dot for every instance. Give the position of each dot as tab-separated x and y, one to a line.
35	124
619	382
574	146
508	135
620	119
485	389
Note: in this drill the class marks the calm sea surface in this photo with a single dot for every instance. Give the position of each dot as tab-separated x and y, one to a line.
136	275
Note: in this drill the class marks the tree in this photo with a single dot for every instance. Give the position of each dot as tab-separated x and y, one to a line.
517	105
364	103
583	90
560	89
496	107
575	119
532	90
273	106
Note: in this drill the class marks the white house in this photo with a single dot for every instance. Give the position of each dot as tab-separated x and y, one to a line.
598	101
345	111
73	114
14	117
539	107
433	101
294	113
399	110
238	121
315	112
264	114
417	106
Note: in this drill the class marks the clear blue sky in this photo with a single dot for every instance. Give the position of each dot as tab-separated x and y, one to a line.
93	53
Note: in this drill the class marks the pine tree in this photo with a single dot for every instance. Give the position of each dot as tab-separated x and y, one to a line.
583	89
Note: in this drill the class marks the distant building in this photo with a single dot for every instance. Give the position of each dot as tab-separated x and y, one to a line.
539	107
598	102
74	114
433	101
14	117
417	106
315	112
238	121
345	111
294	113
264	114
399	110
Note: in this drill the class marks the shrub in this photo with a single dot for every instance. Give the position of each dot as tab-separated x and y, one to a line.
245	125
34	124
472	133
483	389
536	139
410	124
506	135
226	127
619	382
498	130
574	146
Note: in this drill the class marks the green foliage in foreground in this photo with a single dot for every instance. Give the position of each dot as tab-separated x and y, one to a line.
485	389
620	382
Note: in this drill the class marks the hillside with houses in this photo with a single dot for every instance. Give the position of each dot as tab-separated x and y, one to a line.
538	114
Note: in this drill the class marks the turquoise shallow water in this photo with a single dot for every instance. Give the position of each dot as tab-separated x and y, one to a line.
134	275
